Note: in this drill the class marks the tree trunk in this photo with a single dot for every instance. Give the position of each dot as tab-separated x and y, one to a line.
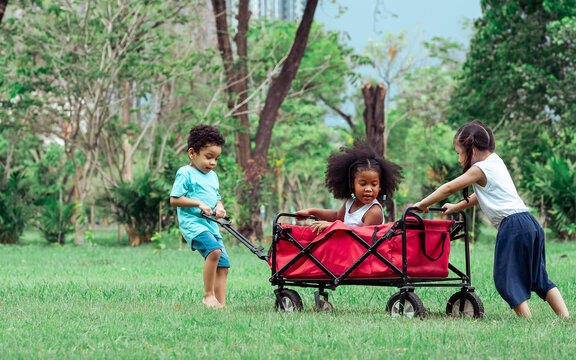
374	115
3	5
78	238
133	239
375	128
126	169
236	79
255	165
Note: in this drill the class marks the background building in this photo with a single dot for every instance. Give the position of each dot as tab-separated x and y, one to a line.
272	9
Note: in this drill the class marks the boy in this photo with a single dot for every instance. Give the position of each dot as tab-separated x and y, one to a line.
195	191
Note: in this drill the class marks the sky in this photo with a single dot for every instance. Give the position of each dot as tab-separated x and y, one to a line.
364	20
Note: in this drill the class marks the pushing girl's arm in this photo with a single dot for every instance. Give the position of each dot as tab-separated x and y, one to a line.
473	175
452	208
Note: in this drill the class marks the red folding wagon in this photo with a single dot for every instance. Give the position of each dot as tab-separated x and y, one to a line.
409	253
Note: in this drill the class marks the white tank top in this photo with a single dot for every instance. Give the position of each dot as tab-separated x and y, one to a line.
499	197
355	218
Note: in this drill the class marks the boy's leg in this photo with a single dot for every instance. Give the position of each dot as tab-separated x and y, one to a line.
556	302
523	310
210	269
220	285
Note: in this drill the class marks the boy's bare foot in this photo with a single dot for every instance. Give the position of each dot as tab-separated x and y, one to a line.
212	302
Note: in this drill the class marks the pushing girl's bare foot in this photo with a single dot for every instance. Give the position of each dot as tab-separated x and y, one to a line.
212	302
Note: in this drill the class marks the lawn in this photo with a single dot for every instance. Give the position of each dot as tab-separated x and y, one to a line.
112	301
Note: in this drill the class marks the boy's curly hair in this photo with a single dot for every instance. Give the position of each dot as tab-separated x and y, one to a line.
203	135
343	166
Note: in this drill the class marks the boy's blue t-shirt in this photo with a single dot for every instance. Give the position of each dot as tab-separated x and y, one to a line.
196	185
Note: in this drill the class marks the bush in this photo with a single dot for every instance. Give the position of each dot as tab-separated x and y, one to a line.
136	205
15	209
56	220
554	183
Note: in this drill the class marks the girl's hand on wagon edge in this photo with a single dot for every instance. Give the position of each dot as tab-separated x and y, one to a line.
320	226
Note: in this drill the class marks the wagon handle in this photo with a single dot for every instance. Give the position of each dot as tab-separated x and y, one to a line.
297	216
226	220
225	223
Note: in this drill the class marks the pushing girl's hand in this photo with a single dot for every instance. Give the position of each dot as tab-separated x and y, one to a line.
422	209
319	226
449	208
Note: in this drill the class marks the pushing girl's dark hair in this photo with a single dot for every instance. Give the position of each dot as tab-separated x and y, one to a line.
343	166
473	134
204	135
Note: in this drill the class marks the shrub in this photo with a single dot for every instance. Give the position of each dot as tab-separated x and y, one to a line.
136	205
15	209
554	183
56	220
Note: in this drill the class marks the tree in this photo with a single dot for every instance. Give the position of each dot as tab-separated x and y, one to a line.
253	160
518	79
83	60
513	78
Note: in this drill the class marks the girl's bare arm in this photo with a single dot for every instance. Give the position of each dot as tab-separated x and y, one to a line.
473	175
324	214
451	208
373	216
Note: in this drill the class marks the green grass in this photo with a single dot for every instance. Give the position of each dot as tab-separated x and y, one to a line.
112	301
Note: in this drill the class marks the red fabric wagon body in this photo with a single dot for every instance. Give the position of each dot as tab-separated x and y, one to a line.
339	247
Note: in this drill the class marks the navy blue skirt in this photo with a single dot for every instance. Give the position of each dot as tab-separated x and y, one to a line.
520	259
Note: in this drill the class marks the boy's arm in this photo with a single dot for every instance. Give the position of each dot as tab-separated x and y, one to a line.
186	202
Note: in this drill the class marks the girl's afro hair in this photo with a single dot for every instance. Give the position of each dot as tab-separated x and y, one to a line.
343	166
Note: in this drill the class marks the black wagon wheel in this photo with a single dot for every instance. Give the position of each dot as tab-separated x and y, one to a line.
472	307
288	301
324	305
411	307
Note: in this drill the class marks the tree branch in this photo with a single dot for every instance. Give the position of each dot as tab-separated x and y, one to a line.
345	116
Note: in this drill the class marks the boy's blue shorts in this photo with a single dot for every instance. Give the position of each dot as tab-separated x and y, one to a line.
205	243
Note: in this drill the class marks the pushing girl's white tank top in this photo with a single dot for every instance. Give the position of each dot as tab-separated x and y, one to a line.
355	218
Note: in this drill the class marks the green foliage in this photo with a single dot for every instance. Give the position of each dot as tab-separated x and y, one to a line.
421	140
50	172
427	157
136	204
555	186
56	220
326	66
158	242
300	150
89	237
15	207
